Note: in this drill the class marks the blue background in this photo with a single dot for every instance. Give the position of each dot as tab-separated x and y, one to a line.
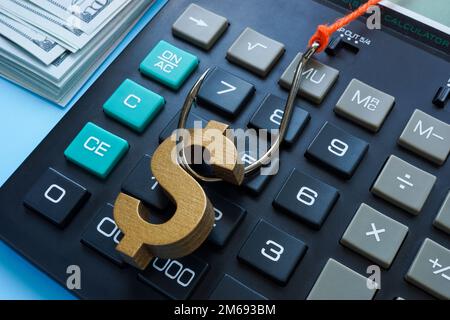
25	119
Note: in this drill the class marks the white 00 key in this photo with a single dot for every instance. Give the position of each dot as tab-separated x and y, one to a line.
273	252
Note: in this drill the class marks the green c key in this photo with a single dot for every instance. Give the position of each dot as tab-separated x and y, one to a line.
133	105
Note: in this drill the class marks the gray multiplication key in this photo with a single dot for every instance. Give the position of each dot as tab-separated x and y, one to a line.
338	282
317	79
443	218
199	26
427	136
255	52
430	270
374	235
364	105
403	185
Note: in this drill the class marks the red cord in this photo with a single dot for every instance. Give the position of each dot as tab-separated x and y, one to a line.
324	32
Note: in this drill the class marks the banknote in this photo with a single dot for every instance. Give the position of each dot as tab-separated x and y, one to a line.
32	40
62	79
63	31
86	15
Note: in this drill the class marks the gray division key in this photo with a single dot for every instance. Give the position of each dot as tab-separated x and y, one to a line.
200	26
374	235
364	105
427	136
431	269
403	185
255	52
317	79
338	282
443	218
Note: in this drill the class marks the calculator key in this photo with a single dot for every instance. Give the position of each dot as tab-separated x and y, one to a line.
270	113
256	182
443	218
141	183
306	198
169	65
374	235
199	26
427	136
272	251
192	121
430	270
228	216
176	278
338	282
225	92
56	197
231	289
255	52
103	235
317	79
364	105
337	150
133	105
403	185
96	150
442	96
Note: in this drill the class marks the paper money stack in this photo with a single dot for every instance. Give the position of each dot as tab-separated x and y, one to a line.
52	47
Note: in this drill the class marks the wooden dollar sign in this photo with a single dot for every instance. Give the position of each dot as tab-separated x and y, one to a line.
194	216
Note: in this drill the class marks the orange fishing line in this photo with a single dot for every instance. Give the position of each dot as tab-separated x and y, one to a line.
324	32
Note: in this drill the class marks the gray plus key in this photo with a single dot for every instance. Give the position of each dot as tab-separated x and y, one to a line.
374	235
403	185
443	218
364	105
317	79
200	26
338	282
430	270
427	136
255	52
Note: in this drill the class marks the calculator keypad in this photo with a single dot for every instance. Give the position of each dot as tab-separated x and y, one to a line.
268	249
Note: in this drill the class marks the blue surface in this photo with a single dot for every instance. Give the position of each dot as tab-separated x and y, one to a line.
25	119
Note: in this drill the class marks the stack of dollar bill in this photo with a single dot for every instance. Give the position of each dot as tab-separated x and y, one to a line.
52	47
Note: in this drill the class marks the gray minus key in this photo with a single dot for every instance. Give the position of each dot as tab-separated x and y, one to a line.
430	270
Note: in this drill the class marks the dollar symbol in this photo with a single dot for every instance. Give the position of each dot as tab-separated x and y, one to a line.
194	216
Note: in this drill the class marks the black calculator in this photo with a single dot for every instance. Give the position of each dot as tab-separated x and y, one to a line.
359	207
